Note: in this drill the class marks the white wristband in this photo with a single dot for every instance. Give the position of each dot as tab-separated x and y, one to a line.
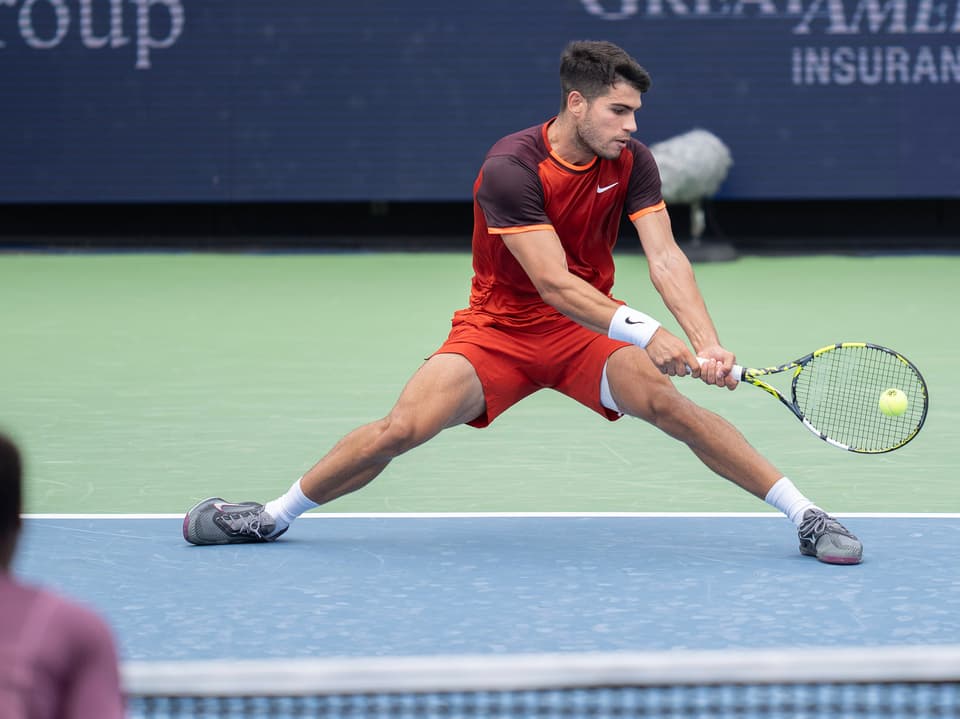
630	325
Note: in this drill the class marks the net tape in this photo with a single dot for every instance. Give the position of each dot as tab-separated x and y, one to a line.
917	681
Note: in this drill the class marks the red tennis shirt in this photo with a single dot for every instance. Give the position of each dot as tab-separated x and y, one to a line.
524	185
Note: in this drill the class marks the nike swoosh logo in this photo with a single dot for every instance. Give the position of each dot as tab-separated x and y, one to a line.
632	322
601	190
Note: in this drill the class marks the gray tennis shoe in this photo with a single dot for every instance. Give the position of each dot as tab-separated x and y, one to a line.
823	537
216	521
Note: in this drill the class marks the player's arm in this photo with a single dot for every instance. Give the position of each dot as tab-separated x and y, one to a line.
673	277
542	257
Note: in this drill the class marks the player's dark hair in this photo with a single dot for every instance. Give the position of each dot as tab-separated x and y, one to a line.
11	477
592	67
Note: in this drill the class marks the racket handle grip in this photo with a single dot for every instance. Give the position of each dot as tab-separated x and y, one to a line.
736	371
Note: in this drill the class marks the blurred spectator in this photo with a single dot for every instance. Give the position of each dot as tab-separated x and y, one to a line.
57	659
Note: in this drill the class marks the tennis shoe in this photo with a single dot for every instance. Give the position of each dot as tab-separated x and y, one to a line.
215	521
823	537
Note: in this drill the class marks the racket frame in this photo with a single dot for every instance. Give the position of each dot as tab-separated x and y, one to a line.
753	375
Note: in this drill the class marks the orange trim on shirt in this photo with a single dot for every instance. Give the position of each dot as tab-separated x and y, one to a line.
516	230
560	160
647	210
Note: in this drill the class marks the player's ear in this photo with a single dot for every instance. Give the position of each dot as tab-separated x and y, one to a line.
576	103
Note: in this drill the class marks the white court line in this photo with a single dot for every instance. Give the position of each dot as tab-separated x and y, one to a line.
532	515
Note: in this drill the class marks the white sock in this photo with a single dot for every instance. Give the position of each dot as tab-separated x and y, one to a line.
788	499
287	507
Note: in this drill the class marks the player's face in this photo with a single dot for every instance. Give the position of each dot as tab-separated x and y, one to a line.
609	121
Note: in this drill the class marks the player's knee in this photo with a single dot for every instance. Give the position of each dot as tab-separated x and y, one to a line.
400	434
658	403
642	392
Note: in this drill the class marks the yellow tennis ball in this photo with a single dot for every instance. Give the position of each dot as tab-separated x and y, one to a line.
893	402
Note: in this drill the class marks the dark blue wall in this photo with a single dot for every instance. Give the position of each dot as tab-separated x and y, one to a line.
322	100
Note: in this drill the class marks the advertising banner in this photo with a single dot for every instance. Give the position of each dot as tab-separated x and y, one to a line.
307	100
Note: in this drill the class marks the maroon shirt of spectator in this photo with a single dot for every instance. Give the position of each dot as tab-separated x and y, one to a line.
58	659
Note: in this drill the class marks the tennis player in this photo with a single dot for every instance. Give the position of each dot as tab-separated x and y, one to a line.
57	658
548	203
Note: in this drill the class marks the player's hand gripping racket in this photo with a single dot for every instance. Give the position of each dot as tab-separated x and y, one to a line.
836	393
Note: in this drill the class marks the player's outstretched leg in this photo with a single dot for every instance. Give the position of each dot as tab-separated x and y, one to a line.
641	391
216	521
443	393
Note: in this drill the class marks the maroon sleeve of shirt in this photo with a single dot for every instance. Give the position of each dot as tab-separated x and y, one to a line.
510	194
644	190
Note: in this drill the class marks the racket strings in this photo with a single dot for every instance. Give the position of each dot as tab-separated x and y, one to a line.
839	393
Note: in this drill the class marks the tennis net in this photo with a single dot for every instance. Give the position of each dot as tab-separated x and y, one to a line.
915	682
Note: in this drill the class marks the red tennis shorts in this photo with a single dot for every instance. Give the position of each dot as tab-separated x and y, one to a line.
513	363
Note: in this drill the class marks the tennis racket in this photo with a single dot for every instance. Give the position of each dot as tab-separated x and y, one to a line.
835	392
